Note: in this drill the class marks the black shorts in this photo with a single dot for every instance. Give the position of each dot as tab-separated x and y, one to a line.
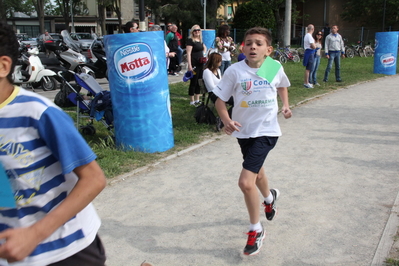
94	254
255	150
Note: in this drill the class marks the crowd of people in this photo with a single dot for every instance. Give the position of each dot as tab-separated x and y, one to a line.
64	228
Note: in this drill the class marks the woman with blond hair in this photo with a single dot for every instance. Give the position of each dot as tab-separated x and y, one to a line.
196	50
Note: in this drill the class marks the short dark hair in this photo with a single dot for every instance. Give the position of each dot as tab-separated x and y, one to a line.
129	25
9	46
262	31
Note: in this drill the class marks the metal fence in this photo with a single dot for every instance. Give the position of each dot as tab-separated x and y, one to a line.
351	34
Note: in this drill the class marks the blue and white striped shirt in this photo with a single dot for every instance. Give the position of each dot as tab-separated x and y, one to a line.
39	148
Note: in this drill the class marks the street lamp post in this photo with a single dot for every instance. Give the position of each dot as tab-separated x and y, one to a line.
204	14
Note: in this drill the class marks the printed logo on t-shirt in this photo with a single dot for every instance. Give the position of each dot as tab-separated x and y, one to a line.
246	85
257	103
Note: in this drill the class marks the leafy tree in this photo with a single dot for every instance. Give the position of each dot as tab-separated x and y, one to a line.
246	18
269	14
8	7
64	9
370	13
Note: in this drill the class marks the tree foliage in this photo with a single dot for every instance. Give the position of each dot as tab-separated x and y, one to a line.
370	13
246	18
8	7
63	8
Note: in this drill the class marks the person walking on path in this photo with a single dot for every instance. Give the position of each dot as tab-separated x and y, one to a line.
254	124
308	59
334	49
313	74
52	175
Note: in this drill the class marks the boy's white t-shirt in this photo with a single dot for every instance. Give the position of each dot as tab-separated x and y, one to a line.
255	99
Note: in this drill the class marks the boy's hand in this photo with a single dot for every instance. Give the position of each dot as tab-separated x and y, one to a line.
232	126
19	243
286	112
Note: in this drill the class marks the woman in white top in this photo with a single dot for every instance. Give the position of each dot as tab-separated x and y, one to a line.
212	75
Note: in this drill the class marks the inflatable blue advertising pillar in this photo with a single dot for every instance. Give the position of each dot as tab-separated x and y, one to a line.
140	91
208	38
386	52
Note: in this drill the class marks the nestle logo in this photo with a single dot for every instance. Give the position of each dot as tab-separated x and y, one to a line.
387	60
134	61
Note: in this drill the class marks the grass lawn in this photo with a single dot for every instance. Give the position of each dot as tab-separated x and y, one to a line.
187	132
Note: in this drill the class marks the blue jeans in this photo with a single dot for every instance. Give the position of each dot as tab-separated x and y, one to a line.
224	66
336	57
313	73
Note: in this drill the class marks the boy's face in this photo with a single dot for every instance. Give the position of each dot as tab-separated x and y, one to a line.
256	49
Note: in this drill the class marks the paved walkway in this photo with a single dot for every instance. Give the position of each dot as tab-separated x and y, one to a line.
336	166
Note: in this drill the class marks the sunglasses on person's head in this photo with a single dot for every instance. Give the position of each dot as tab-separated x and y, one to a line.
319	34
197	30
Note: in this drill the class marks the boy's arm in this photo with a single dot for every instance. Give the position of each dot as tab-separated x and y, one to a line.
283	93
20	242
229	125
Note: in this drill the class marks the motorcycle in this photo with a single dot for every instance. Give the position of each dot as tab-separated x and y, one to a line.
97	50
29	70
66	51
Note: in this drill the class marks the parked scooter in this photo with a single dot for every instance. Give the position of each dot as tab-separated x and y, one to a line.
97	50
66	52
30	71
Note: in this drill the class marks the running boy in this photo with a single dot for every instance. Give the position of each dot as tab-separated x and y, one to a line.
254	123
53	176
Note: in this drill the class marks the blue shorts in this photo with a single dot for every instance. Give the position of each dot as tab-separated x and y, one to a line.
255	150
308	59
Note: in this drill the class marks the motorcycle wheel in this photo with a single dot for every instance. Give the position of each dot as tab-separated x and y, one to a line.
48	83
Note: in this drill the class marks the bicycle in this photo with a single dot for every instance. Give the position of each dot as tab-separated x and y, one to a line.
291	55
359	50
369	51
349	52
285	54
280	55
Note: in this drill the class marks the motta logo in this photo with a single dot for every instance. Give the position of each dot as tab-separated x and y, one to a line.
134	61
387	60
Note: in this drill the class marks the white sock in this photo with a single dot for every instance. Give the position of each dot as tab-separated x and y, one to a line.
255	227
269	199
192	102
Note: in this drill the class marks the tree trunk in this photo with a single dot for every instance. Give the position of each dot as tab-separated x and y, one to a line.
279	27
101	17
39	7
212	13
3	14
117	9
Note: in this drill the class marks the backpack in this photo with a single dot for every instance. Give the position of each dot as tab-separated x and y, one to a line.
204	115
61	98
